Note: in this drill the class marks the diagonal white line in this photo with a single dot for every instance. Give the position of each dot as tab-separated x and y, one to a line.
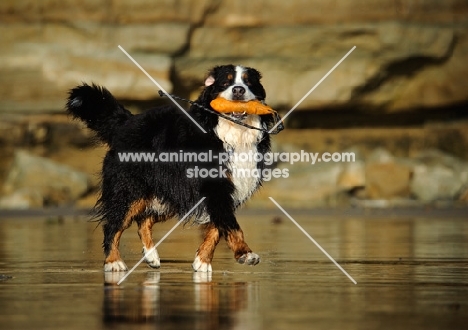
160	241
313	241
160	87
311	90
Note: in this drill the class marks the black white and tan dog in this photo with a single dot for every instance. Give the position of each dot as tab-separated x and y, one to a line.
150	192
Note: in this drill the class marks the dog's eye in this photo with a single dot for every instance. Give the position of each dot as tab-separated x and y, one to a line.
226	83
247	82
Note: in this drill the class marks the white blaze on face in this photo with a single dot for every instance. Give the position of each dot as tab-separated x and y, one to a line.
239	71
238	81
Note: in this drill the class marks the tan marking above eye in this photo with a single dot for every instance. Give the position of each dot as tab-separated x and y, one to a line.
230	76
245	78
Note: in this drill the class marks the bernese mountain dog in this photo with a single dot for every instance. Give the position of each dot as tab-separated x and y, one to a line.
150	192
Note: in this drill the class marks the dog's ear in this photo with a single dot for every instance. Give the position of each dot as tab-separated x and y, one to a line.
209	81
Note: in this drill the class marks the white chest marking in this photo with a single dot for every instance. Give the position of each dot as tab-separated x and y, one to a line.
242	142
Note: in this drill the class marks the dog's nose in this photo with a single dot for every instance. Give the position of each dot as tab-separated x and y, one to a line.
238	91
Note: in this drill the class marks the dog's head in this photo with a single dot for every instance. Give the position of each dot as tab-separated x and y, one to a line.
234	83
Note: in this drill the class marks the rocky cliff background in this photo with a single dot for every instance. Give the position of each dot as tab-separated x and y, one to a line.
399	101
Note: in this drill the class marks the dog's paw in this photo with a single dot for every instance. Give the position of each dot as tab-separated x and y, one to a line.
249	258
152	258
115	266
200	266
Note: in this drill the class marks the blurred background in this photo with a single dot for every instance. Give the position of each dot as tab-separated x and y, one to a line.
399	101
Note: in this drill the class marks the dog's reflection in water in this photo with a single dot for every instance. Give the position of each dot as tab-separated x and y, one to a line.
200	302
130	304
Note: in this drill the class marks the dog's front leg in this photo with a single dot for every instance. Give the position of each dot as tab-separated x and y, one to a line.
242	252
206	250
235	240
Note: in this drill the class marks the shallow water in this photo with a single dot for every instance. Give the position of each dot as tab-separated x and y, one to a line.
411	273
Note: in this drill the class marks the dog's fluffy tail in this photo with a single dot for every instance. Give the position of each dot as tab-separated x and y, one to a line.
98	109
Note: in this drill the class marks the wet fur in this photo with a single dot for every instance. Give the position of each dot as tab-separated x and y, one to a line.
147	193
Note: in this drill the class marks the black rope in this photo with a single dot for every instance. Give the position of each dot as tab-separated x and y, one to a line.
278	128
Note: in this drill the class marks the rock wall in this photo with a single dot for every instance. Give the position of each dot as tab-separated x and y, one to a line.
410	54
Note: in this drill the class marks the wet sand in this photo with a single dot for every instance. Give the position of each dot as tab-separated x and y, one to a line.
411	272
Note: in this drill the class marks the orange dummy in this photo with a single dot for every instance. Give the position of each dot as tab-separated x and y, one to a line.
253	107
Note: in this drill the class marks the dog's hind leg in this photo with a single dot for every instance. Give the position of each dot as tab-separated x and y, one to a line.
144	231
113	229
